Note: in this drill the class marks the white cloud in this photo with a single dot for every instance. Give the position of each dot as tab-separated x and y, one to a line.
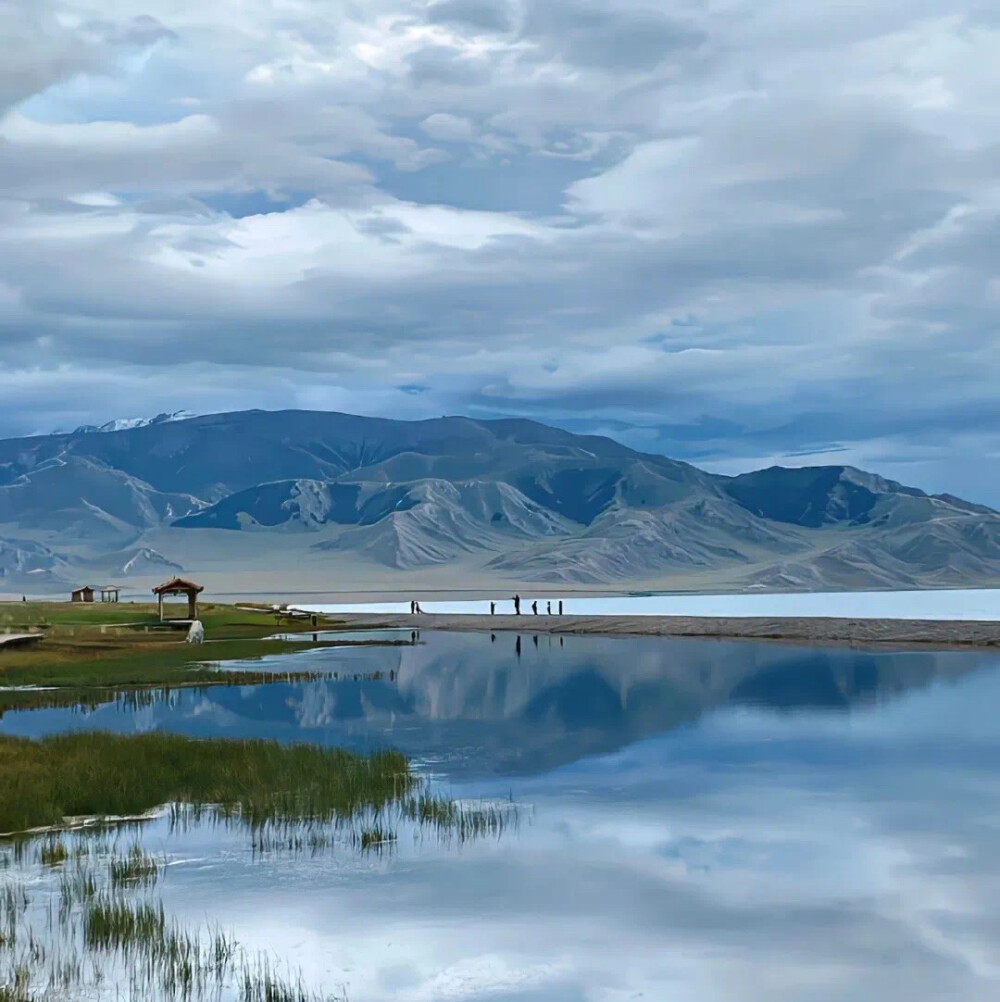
451	128
760	213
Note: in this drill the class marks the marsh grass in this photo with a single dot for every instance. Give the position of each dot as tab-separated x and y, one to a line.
100	775
97	928
137	869
52	852
109	938
259	982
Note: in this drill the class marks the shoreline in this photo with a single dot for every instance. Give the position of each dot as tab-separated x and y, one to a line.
909	633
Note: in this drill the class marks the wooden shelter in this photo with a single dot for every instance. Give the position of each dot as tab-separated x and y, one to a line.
84	594
179	586
109	593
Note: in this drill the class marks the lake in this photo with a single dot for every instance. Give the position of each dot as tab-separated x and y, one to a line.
697	820
957	603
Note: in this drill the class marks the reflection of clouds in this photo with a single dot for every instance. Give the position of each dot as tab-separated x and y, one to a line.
746	855
693	866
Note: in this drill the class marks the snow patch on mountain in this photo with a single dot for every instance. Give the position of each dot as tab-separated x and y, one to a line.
128	424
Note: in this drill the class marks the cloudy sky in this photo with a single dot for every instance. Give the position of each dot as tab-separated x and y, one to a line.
736	231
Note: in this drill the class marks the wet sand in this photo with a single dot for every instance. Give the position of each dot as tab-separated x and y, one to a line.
803	630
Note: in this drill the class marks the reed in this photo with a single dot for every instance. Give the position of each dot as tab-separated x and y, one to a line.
137	869
99	775
52	853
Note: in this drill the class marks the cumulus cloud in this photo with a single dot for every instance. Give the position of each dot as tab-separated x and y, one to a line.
757	232
441	125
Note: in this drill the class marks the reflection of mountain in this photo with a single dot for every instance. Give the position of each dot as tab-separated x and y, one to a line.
471	705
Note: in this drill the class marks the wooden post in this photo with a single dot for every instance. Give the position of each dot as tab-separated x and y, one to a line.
160	597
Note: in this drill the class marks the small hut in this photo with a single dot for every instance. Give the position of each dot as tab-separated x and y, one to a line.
178	586
109	593
84	594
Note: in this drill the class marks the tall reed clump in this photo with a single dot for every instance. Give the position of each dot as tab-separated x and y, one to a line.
97	774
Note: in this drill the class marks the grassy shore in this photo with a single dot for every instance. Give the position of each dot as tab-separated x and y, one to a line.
98	774
115	646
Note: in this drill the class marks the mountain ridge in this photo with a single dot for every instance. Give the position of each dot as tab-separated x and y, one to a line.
506	500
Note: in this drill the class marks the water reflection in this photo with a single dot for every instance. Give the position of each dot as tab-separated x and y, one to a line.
482	704
718	822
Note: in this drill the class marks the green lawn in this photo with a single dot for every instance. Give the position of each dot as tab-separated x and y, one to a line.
125	645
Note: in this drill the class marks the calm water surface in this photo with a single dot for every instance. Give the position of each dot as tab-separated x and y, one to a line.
721	822
954	603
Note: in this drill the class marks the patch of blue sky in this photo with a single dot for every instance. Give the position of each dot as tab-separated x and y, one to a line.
240	204
521	182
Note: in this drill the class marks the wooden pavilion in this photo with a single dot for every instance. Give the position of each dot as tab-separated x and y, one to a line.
179	586
84	594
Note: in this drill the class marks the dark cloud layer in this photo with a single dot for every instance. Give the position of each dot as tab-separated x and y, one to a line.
745	234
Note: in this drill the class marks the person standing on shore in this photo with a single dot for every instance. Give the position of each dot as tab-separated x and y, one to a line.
517	605
560	607
493	608
548	608
534	608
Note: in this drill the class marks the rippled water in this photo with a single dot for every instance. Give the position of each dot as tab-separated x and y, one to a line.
721	822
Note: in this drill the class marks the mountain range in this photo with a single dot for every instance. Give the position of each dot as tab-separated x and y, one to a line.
316	501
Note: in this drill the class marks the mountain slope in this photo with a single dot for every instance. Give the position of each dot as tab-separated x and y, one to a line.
502	500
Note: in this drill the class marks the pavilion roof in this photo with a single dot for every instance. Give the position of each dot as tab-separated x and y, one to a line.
178	585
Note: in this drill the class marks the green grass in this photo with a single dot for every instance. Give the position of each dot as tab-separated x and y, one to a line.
17	616
106	923
52	853
97	774
137	869
117	646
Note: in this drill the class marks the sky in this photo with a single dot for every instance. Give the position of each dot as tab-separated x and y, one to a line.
738	232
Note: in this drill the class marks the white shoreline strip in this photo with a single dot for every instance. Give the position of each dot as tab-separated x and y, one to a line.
980	604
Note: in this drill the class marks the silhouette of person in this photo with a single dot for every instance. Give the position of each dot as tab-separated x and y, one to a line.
560	607
413	607
493	608
548	608
534	608
517	605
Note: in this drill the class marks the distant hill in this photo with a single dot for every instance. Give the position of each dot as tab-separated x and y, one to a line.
508	500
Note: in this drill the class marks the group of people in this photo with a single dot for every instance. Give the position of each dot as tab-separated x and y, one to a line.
415	609
534	607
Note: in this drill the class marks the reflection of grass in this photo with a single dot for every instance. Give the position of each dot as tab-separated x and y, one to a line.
95	774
